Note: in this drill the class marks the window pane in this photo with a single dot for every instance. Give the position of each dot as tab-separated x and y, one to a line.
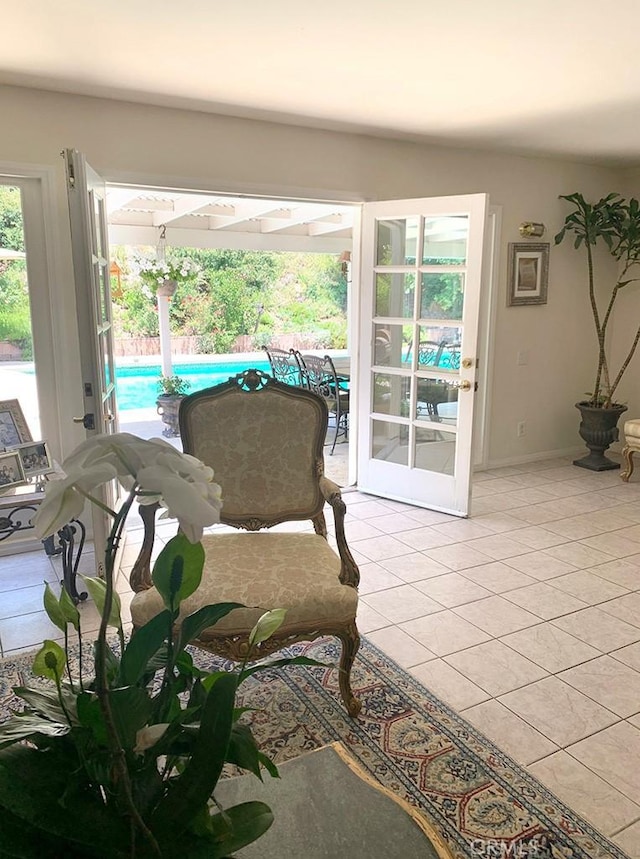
435	451
389	442
395	294
445	241
442	295
391	394
396	242
392	344
439	347
437	401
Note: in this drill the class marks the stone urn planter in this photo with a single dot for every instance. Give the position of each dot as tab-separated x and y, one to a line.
599	429
168	406
172	390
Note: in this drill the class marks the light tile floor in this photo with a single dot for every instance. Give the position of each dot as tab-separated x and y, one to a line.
525	618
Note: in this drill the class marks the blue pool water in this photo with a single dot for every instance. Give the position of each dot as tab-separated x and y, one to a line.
137	385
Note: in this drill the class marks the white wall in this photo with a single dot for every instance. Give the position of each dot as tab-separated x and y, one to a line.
195	150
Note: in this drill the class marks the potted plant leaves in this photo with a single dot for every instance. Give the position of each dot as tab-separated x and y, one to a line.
172	389
117	753
615	222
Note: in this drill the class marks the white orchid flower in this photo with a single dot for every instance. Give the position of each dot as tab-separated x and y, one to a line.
179	482
64	499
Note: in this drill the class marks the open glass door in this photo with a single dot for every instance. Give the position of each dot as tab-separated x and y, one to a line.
421	280
90	248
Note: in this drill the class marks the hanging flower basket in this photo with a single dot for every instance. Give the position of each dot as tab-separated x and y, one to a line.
162	277
167	288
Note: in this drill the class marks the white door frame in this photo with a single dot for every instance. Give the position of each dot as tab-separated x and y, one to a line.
42	241
64	368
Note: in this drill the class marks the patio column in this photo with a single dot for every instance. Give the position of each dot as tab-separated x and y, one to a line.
163	297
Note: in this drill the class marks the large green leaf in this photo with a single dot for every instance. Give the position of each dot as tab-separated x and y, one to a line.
69	609
18	840
47	703
142	646
23	727
196	784
203	618
243	750
178	570
50	661
31	783
267	624
249	820
240	825
131	708
53	608
91	716
279	663
98	590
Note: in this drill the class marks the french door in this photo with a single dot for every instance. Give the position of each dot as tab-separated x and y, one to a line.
420	301
90	249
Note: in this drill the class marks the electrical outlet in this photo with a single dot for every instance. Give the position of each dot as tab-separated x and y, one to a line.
521	429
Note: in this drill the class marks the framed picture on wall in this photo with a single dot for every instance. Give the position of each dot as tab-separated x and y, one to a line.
13	427
528	273
35	458
11	471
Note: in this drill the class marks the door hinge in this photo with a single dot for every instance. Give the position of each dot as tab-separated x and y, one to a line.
71	173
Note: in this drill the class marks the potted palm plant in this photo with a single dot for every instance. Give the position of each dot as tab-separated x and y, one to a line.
615	222
172	390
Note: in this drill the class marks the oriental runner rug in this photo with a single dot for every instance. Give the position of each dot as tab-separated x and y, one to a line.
481	802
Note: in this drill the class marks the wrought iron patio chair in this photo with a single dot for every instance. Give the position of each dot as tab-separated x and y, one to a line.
320	376
265	441
285	366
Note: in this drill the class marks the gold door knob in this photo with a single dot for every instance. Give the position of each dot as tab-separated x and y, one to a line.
467	363
465	386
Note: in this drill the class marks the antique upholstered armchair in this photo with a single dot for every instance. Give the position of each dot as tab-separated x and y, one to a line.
264	440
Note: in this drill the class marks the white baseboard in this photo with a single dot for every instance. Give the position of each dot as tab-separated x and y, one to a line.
569	452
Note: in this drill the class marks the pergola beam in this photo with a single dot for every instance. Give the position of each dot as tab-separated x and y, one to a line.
122	234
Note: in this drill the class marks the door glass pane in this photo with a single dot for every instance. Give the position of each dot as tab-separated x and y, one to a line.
439	346
391	394
396	241
442	295
109	376
18	374
389	442
103	289
392	344
437	400
445	241
395	294
435	451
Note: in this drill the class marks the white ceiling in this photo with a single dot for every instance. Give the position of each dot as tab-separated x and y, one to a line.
557	77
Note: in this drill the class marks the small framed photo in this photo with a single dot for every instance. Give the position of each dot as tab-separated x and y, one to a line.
11	471
13	427
528	273
35	458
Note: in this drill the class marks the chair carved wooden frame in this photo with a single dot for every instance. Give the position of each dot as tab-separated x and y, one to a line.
265	441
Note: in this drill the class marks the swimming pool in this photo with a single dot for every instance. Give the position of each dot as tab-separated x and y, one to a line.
137	384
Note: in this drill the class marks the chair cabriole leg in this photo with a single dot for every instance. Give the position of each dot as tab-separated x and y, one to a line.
350	639
627	454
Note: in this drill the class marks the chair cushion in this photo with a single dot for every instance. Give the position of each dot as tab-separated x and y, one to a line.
299	572
632	428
